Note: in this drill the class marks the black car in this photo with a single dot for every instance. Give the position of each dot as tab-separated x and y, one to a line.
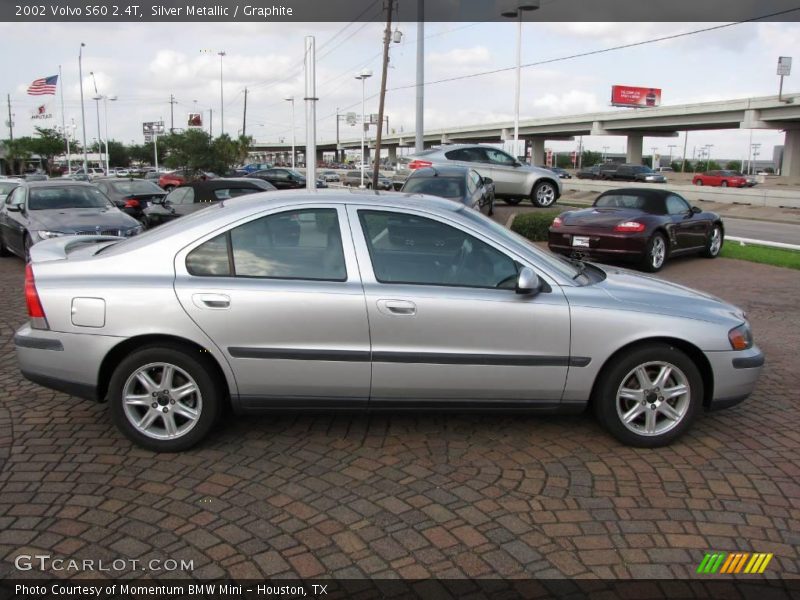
131	196
193	196
592	172
626	172
353	179
454	183
40	210
562	173
282	179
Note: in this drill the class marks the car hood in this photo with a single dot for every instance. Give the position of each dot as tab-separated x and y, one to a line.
67	220
599	217
642	292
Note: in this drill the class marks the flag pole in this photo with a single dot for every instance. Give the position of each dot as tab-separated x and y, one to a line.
63	121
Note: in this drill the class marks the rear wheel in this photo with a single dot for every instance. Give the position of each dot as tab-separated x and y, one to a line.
649	396
714	242
655	254
698	182
724	184
544	194
164	398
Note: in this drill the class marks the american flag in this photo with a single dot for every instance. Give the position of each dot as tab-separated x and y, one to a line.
43	86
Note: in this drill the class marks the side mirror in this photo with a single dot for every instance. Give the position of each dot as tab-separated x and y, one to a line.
528	282
696	210
488	180
516	163
14	207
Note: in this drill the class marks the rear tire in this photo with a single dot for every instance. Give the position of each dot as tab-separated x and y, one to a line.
714	243
649	396
724	184
185	405
544	194
655	253
699	182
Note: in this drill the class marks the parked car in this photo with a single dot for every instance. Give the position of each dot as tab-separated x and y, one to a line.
193	196
282	179
664	170
41	210
562	173
626	172
296	300
513	180
172	179
353	179
646	226
35	177
592	172
454	183
252	168
131	196
330	176
723	178
122	172
6	185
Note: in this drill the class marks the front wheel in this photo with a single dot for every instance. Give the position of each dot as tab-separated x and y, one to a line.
698	182
649	396
655	253
544	194
714	243
164	398
724	184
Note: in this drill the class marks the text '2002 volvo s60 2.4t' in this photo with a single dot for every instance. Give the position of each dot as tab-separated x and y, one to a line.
374	300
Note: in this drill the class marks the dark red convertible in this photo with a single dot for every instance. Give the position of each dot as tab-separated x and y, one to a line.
646	226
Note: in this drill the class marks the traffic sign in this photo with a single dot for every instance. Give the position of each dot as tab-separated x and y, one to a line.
153	127
784	65
351	118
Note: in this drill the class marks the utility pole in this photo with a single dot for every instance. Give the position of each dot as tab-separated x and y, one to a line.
387	39
10	122
419	139
311	114
244	116
211	122
172	103
685	142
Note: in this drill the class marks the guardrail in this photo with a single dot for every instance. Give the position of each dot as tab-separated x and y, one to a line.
752	242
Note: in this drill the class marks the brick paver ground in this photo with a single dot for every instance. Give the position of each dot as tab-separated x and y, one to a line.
415	495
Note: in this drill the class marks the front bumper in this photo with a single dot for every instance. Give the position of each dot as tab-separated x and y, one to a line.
735	375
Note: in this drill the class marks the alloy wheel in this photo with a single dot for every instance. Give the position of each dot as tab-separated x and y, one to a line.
658	252
653	398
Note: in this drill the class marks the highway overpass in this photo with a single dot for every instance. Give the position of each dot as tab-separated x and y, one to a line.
634	123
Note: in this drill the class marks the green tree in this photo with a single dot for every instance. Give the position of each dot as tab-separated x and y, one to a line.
48	143
118	154
734	165
676	166
589	158
196	151
17	151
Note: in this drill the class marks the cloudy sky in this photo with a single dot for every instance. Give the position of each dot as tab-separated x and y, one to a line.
143	63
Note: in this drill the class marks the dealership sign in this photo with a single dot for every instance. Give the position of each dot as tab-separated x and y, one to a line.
625	95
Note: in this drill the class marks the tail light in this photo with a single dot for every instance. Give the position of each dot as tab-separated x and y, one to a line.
630	227
35	310
132	203
419	164
557	222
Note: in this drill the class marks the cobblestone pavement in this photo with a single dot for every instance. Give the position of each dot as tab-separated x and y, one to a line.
414	495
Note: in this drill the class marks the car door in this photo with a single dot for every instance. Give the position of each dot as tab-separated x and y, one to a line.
689	231
482	201
505	173
441	329
14	222
280	295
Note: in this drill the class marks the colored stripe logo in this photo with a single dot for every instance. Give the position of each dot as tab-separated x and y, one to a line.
734	563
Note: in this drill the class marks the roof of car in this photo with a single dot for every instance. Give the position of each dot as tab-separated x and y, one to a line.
56	183
441	171
221	182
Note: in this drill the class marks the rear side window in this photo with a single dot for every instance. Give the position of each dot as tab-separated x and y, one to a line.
227	193
210	259
467	155
182	195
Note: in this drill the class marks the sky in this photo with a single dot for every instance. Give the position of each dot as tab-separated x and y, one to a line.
142	64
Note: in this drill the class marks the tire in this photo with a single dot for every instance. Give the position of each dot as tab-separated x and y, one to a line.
544	194
3	250
699	182
512	201
189	367
716	238
724	184
655	253
26	245
654	418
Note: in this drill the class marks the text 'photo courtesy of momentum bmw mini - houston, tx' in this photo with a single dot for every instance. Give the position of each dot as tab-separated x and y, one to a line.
400	300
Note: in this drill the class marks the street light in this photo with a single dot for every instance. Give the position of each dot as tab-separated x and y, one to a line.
105	118
221	104
653	157
97	97
83	110
293	139
605	151
363	76
708	156
516	13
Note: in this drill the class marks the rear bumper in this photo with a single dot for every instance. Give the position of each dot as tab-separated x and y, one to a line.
735	375
611	246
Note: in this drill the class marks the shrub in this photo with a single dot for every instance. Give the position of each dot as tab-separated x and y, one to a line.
535	225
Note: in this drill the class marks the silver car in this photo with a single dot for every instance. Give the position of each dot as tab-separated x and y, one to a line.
513	180
355	299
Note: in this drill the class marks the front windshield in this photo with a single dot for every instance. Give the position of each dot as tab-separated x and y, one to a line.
643	170
728	173
295	173
634	201
552	261
136	187
49	198
445	187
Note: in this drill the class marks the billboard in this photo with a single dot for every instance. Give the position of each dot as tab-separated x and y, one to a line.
625	95
194	120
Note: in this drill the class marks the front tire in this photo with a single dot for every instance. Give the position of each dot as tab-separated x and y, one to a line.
164	398
714	242
544	194
655	253
649	396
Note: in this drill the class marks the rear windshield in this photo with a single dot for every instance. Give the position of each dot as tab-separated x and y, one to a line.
445	187
645	203
47	198
136	187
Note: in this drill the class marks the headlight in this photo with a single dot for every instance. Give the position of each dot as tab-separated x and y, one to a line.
740	337
46	235
134	231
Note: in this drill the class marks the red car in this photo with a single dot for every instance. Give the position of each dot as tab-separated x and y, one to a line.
169	181
646	226
720	178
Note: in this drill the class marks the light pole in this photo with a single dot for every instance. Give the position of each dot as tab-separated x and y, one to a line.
671	146
97	97
293	139
708	156
221	104
516	13
363	76
605	151
653	157
756	152
105	118
83	110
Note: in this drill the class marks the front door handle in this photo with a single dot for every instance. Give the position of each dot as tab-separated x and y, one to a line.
397	307
215	301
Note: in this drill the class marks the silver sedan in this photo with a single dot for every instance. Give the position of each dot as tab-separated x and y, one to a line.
343	299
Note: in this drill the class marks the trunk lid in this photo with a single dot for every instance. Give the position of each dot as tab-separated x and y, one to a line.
600	218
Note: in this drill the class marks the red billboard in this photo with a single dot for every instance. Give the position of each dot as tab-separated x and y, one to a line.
625	95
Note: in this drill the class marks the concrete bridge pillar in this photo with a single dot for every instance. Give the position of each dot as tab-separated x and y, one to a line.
537	151
634	149
392	154
320	155
791	154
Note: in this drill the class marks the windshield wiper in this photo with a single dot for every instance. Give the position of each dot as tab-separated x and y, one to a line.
579	264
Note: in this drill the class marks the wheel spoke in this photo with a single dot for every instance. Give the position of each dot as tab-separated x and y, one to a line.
169	423
183	391
149	417
669	411
147	382
629	394
629	416
650	421
167	375
138	399
674	392
663	376
185	411
643	378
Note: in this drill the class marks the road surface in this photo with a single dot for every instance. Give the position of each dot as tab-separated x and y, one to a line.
786	233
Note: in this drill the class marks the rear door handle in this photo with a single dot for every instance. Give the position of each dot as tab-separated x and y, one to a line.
397	307
215	301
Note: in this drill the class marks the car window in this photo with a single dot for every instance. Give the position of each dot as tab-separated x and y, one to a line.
16	196
472	187
498	157
297	244
47	198
467	155
445	187
278	175
415	250
233	192
135	187
631	201
181	195
676	205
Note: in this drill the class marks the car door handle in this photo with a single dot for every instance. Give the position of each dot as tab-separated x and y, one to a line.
217	301
397	307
